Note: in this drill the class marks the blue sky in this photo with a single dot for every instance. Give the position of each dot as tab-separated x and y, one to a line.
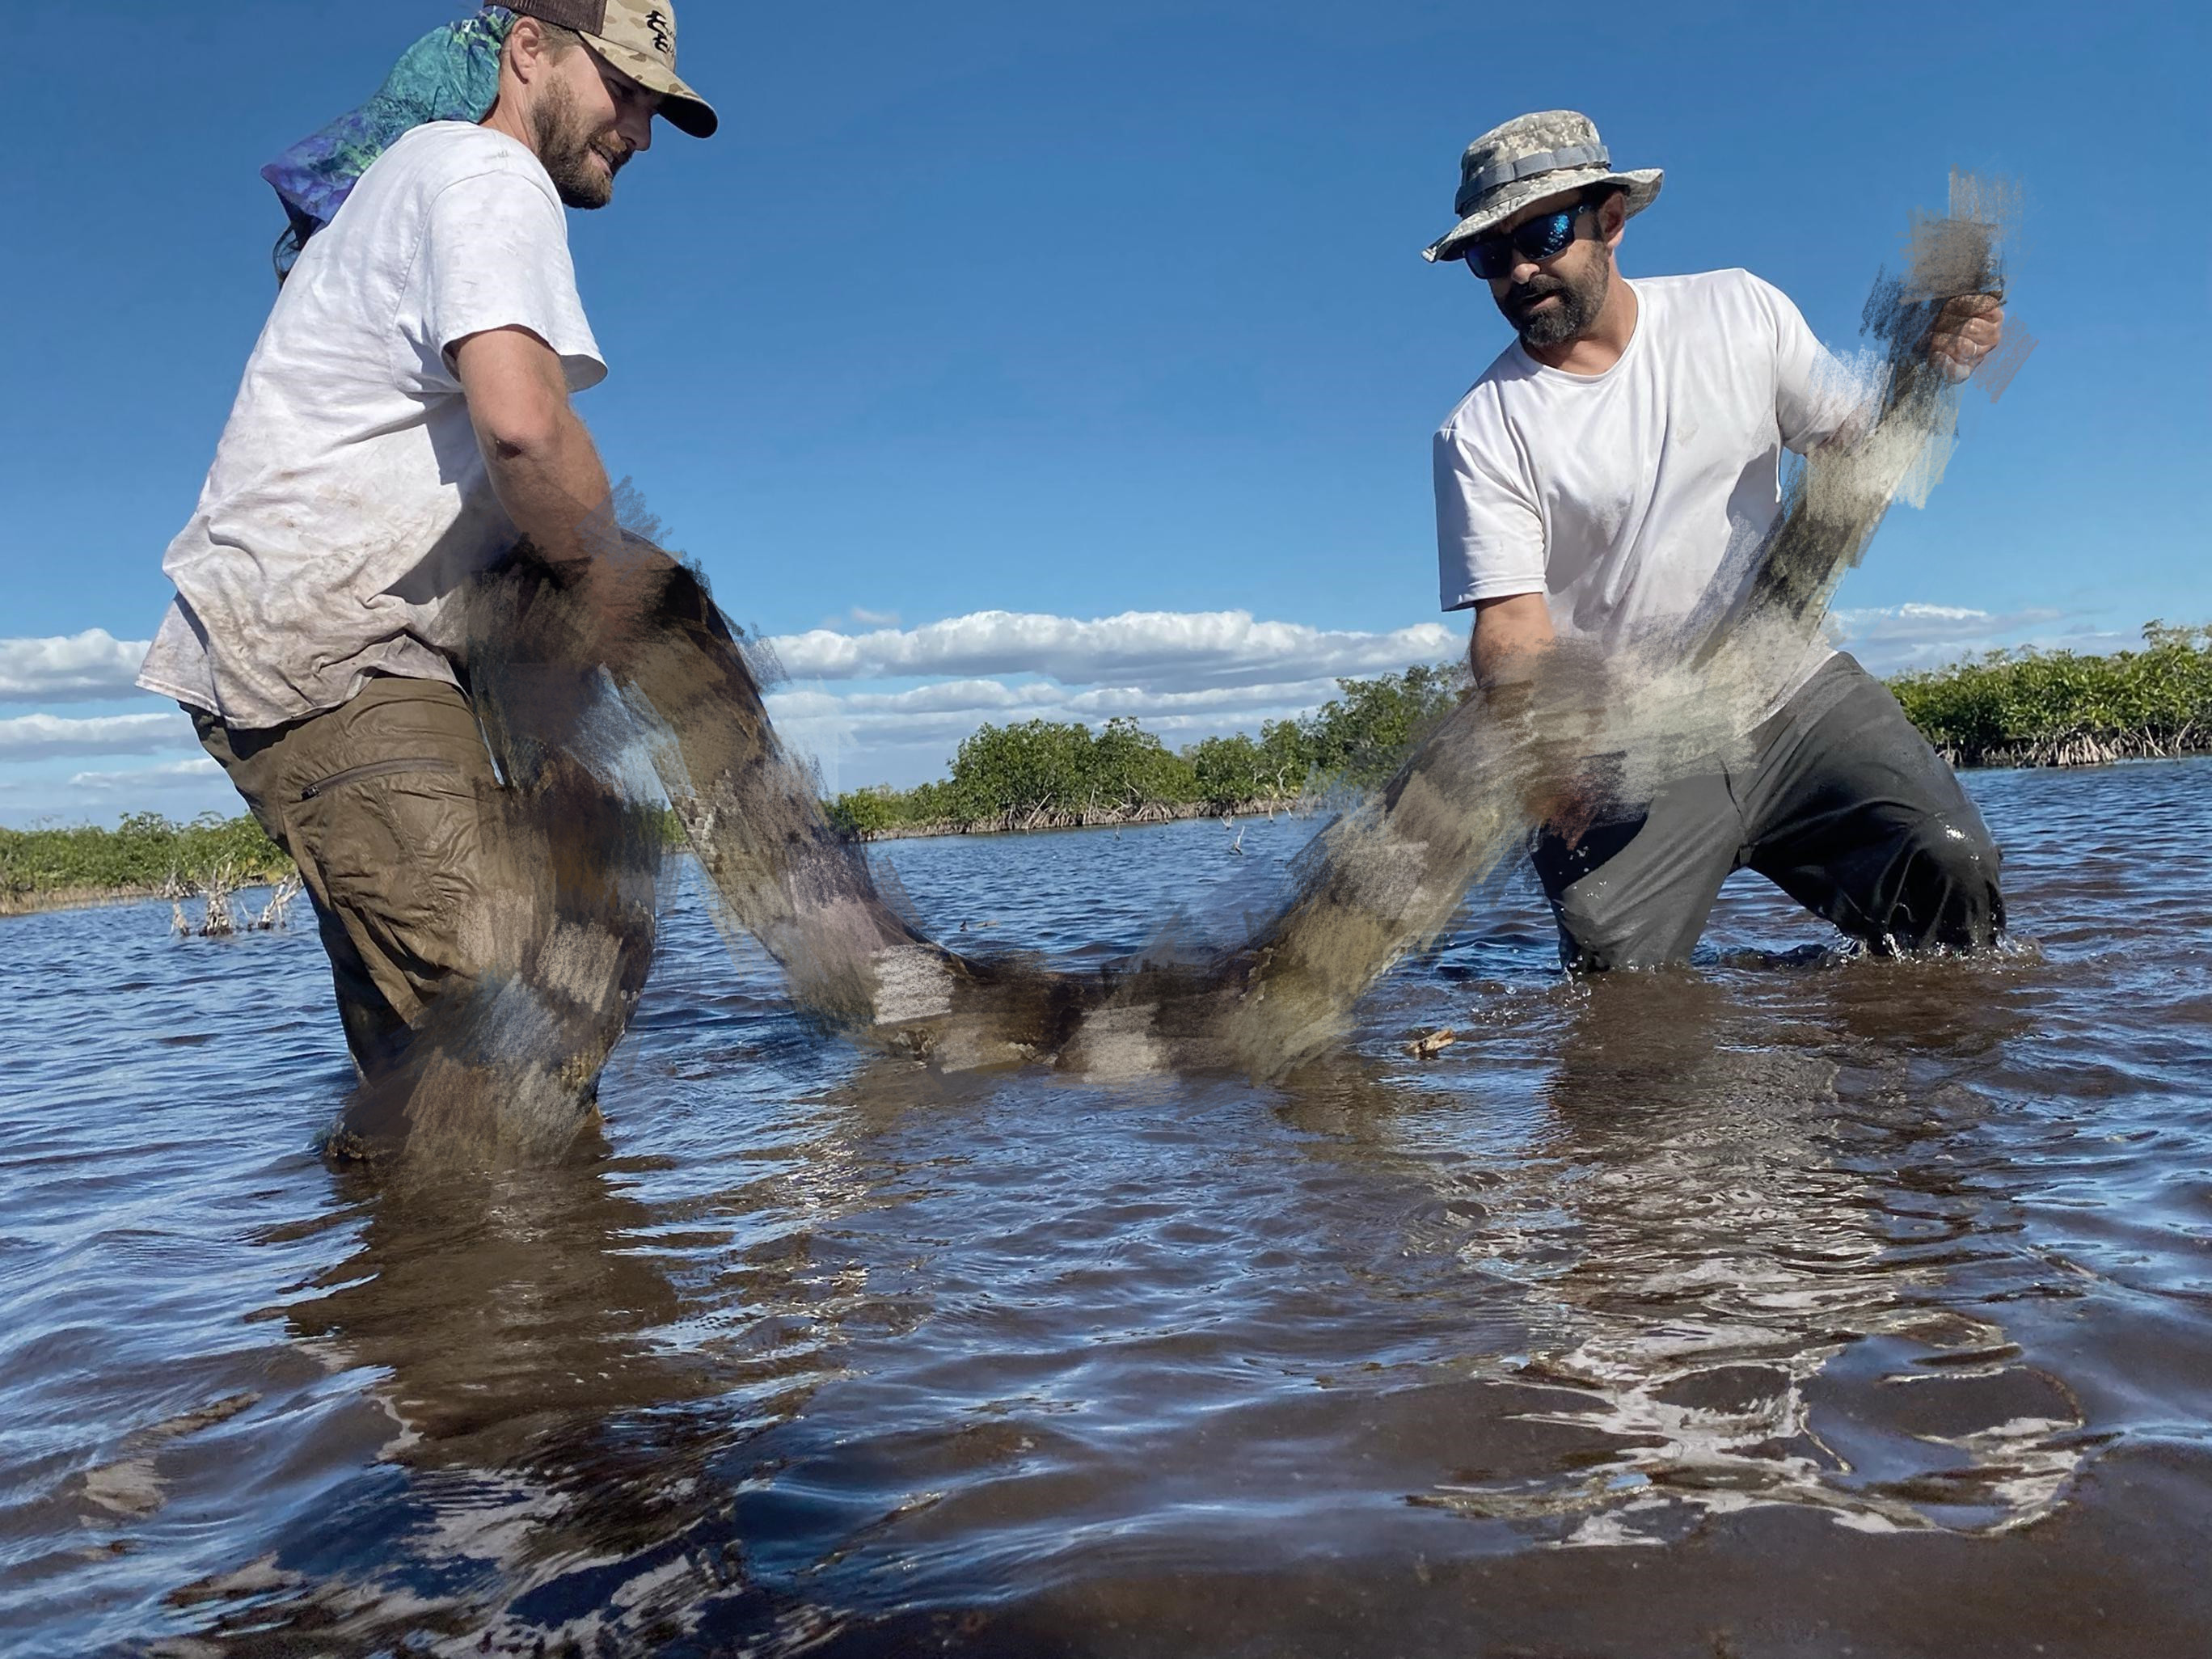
1080	311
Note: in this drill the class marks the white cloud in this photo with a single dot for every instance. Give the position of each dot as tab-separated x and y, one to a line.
29	737
167	776
1187	675
1165	650
1890	638
89	667
1915	624
1043	700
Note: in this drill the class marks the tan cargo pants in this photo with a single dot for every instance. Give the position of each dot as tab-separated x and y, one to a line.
384	804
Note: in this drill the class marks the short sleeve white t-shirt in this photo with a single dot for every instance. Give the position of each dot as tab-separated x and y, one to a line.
1621	496
348	502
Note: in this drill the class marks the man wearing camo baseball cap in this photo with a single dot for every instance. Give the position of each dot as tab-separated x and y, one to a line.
403	424
638	38
1606	473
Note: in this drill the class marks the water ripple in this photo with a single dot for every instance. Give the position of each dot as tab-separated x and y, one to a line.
1795	1272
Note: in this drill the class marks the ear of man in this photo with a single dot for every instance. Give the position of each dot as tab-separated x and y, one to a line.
1612	213
533	41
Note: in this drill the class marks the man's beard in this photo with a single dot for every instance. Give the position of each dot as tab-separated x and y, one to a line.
1573	317
566	145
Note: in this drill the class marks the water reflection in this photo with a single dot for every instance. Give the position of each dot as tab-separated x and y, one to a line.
569	1422
1809	1259
1741	1277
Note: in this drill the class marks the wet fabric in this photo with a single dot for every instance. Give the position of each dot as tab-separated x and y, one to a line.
484	865
1841	803
380	804
482	976
451	74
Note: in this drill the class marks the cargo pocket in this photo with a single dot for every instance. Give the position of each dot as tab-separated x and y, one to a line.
385	769
399	848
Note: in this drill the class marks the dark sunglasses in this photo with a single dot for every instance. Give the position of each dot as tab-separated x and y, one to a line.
1495	255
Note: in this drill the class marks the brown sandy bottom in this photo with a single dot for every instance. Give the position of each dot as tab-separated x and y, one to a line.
2102	1578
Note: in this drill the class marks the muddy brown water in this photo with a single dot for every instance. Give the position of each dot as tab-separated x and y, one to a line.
1786	1304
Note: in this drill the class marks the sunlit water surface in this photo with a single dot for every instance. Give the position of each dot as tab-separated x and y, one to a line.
1788	1304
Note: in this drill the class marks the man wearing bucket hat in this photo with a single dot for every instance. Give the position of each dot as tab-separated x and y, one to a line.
1594	484
403	422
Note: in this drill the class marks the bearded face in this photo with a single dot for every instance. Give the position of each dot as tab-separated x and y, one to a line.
1561	302
583	151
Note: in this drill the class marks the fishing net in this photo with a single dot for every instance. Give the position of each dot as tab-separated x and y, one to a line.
603	692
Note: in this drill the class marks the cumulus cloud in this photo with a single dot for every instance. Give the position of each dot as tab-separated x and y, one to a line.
92	667
993	697
1187	675
148	778
1162	650
30	736
1889	638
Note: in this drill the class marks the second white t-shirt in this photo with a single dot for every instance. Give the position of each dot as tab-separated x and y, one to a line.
1621	495
348	502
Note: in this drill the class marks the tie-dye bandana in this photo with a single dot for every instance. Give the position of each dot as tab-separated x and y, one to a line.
451	74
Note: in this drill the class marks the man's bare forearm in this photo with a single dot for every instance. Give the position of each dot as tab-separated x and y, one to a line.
555	488
542	464
1512	636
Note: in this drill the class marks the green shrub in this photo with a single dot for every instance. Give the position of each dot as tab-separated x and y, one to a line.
1361	738
1226	771
144	851
1128	769
867	811
1015	772
1054	772
2041	704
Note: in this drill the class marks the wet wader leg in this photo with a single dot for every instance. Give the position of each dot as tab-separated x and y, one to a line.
382	804
1858	819
1636	893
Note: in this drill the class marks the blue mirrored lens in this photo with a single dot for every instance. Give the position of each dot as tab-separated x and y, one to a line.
1495	256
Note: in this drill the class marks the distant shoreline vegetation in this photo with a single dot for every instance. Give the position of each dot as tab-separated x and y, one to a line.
2054	708
145	856
1048	775
2006	708
2023	708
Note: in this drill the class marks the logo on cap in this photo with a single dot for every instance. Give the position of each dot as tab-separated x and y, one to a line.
664	37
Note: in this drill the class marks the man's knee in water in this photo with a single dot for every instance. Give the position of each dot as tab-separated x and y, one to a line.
1946	894
1599	934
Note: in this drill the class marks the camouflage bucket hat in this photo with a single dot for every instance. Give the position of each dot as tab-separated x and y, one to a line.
638	37
1530	157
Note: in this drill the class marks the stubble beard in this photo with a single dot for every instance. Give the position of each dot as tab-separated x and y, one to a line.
570	147
1576	314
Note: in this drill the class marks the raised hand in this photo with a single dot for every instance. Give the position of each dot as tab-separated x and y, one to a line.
1965	332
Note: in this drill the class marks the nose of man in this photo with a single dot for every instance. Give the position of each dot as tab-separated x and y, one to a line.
633	131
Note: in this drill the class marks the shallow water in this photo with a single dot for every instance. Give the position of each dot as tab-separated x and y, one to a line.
1789	1304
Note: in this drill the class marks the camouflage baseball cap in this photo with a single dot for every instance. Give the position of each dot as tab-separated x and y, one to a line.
638	37
1530	157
